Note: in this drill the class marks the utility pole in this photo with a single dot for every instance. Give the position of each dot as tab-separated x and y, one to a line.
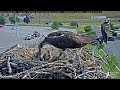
15	25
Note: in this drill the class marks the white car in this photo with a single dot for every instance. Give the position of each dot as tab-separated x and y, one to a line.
118	29
14	27
29	37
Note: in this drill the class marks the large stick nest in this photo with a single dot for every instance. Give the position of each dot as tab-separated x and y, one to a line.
25	65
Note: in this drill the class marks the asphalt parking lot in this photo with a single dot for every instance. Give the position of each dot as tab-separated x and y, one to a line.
113	47
9	37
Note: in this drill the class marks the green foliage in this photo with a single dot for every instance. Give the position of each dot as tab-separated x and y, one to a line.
2	20
112	27
101	46
12	19
73	23
80	29
55	25
87	28
114	34
89	31
89	47
112	60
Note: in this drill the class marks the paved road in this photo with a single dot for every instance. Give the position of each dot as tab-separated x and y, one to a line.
113	47
8	37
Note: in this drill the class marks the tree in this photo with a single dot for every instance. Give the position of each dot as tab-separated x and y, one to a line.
73	23
55	25
12	19
26	20
2	20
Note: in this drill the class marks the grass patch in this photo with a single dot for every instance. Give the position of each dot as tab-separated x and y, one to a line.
70	27
101	52
114	71
89	47
67	16
80	29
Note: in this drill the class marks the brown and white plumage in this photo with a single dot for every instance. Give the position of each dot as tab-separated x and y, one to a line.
105	30
66	39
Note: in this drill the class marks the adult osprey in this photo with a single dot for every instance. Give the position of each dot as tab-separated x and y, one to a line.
66	39
105	30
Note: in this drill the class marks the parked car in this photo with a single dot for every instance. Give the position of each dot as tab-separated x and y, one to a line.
29	37
111	39
117	26
36	34
118	29
14	27
1	26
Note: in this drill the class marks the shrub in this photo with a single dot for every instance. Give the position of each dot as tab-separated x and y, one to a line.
26	20
12	19
55	25
73	23
114	34
112	27
89	31
87	28
2	20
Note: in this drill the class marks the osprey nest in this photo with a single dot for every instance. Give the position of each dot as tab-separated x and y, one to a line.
22	63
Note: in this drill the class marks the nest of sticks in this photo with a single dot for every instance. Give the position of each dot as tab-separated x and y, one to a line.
77	65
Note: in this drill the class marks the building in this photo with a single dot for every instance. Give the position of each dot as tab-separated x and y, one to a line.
98	17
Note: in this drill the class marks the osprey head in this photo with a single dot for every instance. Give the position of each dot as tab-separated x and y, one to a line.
107	20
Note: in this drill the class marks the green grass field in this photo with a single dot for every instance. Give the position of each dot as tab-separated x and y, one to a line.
114	71
69	15
83	19
66	18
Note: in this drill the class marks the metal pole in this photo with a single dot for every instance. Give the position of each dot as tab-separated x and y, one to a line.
39	20
16	31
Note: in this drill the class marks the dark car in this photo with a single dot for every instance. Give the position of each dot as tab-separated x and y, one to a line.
111	39
29	37
1	26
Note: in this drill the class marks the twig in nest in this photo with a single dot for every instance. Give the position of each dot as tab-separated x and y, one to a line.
25	76
84	74
108	67
94	52
8	65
